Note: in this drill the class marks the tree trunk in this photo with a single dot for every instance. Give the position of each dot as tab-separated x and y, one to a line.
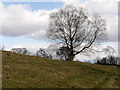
71	54
71	58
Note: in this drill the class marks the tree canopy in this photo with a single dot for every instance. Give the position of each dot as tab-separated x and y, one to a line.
75	29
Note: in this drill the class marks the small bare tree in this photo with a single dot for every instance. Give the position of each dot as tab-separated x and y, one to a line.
63	53
42	53
20	51
75	29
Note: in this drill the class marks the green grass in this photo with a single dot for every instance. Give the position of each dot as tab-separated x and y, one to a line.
22	71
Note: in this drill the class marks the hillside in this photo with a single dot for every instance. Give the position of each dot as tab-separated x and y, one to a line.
22	71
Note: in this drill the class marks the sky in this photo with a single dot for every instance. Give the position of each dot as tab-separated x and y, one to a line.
24	24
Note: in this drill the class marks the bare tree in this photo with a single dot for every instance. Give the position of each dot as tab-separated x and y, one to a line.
20	51
42	53
63	53
75	29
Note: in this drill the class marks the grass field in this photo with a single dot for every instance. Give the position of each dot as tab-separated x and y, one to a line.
22	71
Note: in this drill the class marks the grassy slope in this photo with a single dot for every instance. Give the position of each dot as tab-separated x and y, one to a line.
27	71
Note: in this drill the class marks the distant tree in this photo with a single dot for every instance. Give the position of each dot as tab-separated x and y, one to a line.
118	59
75	30
104	60
111	60
42	53
63	53
20	51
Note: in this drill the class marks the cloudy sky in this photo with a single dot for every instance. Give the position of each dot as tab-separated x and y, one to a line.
24	24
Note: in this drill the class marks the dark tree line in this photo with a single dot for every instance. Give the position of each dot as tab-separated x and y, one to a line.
110	60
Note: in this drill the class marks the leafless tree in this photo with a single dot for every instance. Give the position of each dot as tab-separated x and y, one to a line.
20	51
42	53
63	53
77	31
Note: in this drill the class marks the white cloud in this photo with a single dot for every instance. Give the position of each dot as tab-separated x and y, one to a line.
108	11
32	47
70	1
18	20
